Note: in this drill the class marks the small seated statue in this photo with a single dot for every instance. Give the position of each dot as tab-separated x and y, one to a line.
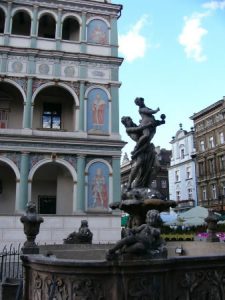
142	240
83	236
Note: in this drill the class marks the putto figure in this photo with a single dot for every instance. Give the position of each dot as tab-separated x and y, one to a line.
143	239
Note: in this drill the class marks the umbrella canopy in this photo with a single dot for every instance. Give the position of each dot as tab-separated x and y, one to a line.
195	212
195	221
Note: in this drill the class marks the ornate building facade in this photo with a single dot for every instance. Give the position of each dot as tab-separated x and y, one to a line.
182	175
210	155
59	88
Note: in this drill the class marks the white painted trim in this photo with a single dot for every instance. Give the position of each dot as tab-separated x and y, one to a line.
17	174
47	12
52	84
12	165
72	15
17	86
22	8
97	87
66	164
4	9
98	18
98	160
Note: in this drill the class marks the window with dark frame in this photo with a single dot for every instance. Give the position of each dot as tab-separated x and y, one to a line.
4	115
47	205
51	118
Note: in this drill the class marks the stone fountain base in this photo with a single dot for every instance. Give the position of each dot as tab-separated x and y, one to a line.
181	277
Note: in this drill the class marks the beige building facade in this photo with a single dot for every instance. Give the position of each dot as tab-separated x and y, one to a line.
209	126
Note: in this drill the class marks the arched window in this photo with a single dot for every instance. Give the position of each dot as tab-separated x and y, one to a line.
2	21
97	32
71	29
21	23
46	28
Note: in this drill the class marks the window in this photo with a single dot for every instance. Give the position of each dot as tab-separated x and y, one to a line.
47	205
163	184
221	137
188	172
211	142
21	23
222	162
178	195
211	166
201	168
182	153
223	188
71	30
4	115
213	191
51	116
190	196
47	27
177	175
202	145
204	194
2	21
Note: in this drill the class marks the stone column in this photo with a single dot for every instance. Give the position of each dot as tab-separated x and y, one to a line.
114	37
4	63
116	179
83	33
80	201
27	106
34	29
23	193
7	23
81	114
115	108
59	30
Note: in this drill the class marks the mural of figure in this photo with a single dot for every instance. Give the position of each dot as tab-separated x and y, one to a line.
97	32
99	190
98	109
98	35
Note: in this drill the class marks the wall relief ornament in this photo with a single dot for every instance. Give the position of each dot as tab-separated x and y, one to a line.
69	71
203	285
44	69
144	288
88	289
17	66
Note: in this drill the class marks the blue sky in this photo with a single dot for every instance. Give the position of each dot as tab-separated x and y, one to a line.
174	57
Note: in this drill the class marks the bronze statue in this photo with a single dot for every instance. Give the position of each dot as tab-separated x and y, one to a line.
83	236
144	239
143	154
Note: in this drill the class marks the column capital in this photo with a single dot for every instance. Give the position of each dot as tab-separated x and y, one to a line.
81	156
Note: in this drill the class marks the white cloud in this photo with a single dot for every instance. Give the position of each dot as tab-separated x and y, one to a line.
133	45
213	5
191	37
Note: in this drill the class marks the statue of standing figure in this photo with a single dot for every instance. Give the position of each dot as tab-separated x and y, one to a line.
144	152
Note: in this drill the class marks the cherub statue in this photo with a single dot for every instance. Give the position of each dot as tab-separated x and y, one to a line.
144	239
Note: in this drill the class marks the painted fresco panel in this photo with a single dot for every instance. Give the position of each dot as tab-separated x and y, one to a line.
98	186
97	32
97	112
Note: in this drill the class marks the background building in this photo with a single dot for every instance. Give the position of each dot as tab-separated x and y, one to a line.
182	175
59	144
210	155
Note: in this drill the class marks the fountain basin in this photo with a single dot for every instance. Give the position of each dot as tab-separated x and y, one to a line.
67	274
